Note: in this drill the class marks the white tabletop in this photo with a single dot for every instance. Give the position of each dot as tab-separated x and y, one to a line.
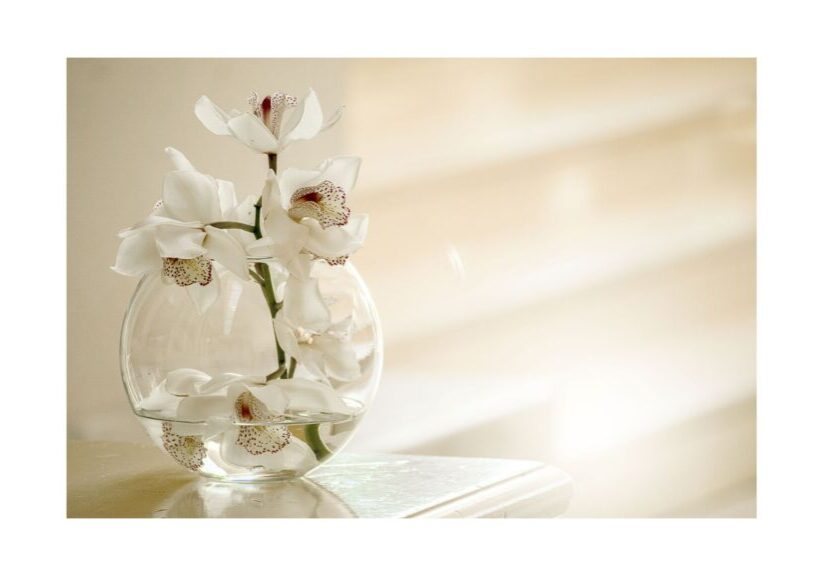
133	480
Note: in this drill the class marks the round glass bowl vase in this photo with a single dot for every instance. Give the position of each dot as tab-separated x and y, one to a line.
207	376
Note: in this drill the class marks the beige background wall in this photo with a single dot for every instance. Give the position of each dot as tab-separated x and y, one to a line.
562	253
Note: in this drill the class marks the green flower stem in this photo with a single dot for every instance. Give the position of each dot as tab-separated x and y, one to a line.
257	277
276	374
315	442
267	287
263	277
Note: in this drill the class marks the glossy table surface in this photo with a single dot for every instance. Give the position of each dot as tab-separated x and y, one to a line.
107	480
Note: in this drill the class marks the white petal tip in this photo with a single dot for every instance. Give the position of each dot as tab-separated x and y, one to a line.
334	118
178	159
212	116
122	272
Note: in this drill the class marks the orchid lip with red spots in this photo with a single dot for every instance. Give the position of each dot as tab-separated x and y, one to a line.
271	109
306	212
188	271
324	202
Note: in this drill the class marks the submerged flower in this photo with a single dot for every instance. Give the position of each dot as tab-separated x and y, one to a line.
188	450
245	415
305	211
258	439
177	238
195	396
275	121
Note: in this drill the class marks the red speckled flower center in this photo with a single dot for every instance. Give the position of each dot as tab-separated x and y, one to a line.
271	108
324	202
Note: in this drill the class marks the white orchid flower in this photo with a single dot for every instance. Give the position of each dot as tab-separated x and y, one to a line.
305	330
177	238
305	211
274	122
243	413
327	353
195	396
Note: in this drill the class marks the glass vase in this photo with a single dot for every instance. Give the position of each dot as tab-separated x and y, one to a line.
262	414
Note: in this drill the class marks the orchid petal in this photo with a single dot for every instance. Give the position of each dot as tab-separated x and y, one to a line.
296	455
292	180
336	241
270	193
286	338
301	266
339	358
216	425
185	381
186	448
191	196
179	160
137	255
341	171
223	247
272	396
311	396
260	248
201	408
332	120
312	360
260	433
288	237
244	211
303	305
179	242
161	402
253	133
153	221
305	121
228	380
226	198
212	116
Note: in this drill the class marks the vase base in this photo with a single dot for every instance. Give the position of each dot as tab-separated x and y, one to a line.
254	478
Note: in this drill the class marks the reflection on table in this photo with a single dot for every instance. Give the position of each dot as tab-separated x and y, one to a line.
133	480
